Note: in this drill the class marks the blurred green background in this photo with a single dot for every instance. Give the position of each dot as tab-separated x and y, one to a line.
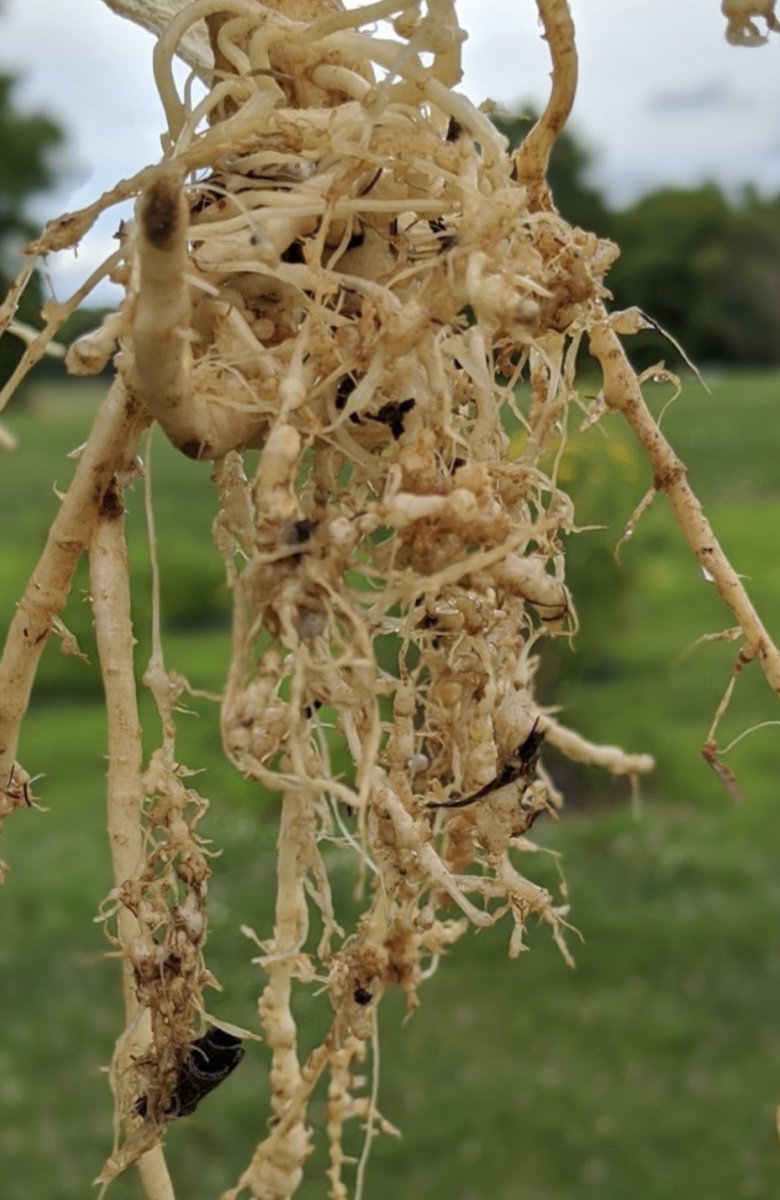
652	1070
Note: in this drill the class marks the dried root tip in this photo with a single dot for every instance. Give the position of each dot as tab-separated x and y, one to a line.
711	756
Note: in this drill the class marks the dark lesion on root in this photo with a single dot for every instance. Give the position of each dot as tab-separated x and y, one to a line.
667	479
111	507
161	213
297	532
521	768
17	792
196	449
392	415
207	1063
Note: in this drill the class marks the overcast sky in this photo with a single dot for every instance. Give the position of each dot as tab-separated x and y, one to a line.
663	98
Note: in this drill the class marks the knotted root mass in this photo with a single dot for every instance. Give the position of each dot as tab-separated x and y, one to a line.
339	263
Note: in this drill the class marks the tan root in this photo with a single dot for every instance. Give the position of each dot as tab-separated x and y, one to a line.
108	451
109	584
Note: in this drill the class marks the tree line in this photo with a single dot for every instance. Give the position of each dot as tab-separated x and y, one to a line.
702	264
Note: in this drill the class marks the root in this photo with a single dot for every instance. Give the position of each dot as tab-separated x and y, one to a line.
533	155
623	394
109	583
350	275
110	446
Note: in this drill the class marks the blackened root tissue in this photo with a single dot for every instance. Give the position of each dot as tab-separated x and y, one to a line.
209	1060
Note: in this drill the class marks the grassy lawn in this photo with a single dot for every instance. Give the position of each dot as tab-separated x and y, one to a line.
652	1071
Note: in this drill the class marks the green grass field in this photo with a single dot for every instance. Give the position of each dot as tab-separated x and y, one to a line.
651	1071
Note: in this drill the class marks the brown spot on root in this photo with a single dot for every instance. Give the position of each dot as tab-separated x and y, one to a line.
195	449
111	507
160	213
297	533
665	480
132	405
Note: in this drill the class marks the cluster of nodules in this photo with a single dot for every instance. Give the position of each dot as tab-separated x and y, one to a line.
368	285
360	308
168	900
382	318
